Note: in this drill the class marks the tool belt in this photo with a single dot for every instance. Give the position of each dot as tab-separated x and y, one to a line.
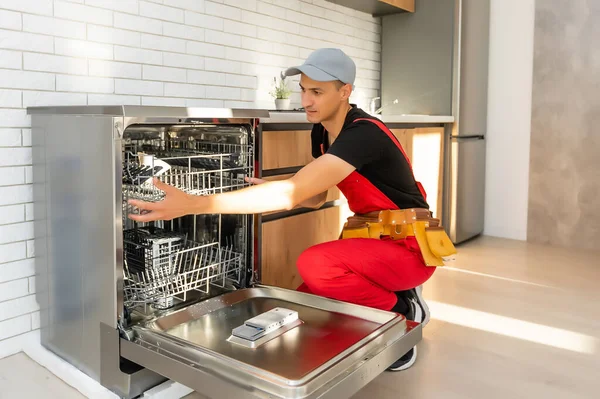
399	224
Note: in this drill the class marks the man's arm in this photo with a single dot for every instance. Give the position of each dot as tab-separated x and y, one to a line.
315	202
313	179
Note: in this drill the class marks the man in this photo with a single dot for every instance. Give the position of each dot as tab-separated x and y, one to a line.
359	154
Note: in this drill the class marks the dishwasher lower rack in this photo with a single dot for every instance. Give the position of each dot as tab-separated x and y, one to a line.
160	266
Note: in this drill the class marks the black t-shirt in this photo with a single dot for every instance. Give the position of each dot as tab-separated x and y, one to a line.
374	155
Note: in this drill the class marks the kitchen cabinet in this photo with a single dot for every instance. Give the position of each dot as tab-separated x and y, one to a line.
285	149
378	8
283	240
424	147
285	235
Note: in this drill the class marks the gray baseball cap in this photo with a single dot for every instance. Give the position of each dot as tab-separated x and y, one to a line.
326	64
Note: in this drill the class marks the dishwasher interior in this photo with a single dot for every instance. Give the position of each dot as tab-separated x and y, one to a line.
135	304
167	264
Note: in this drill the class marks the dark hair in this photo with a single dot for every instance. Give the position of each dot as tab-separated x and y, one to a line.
339	84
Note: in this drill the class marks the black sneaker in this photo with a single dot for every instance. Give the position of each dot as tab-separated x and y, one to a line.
414	312
405	361
416	295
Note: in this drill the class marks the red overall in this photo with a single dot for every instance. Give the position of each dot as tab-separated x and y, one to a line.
364	271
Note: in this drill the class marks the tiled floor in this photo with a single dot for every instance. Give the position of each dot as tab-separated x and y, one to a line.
509	320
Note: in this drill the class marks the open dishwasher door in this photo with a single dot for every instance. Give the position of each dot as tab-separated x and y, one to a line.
331	350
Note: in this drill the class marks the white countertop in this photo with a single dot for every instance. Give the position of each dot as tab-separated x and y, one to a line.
417	118
300	117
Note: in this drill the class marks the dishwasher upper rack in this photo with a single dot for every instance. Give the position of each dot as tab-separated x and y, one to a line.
160	265
192	171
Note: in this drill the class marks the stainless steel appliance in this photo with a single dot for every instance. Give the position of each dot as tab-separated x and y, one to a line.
133	304
465	184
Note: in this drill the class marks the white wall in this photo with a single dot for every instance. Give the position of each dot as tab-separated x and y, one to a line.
219	53
509	118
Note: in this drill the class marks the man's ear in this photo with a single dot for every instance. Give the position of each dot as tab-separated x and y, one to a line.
346	91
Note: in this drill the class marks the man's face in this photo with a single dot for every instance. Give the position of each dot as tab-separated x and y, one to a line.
322	100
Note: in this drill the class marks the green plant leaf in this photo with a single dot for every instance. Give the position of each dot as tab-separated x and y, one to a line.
280	90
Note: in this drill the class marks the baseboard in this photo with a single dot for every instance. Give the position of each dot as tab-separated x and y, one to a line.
86	385
506	232
13	345
68	373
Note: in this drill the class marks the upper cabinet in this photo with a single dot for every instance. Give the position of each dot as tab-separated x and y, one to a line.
378	8
416	59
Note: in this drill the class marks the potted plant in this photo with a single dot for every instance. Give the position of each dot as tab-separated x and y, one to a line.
281	92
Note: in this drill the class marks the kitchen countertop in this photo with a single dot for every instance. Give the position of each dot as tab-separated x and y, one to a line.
300	117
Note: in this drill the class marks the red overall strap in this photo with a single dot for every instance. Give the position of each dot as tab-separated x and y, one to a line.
394	139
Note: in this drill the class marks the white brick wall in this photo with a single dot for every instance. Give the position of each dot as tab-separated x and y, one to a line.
203	53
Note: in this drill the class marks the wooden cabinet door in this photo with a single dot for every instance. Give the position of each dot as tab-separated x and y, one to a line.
283	241
284	149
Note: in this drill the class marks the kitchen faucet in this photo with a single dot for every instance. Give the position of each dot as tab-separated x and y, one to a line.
372	108
385	105
374	111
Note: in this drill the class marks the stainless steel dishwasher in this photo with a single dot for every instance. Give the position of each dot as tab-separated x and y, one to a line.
133	304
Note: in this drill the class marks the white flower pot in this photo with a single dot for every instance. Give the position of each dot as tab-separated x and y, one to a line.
282	103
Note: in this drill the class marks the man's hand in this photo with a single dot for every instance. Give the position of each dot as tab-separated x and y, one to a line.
254	180
175	204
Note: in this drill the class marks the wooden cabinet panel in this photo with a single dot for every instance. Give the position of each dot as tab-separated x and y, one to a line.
406	5
424	147
284	240
405	136
427	151
378	8
284	149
